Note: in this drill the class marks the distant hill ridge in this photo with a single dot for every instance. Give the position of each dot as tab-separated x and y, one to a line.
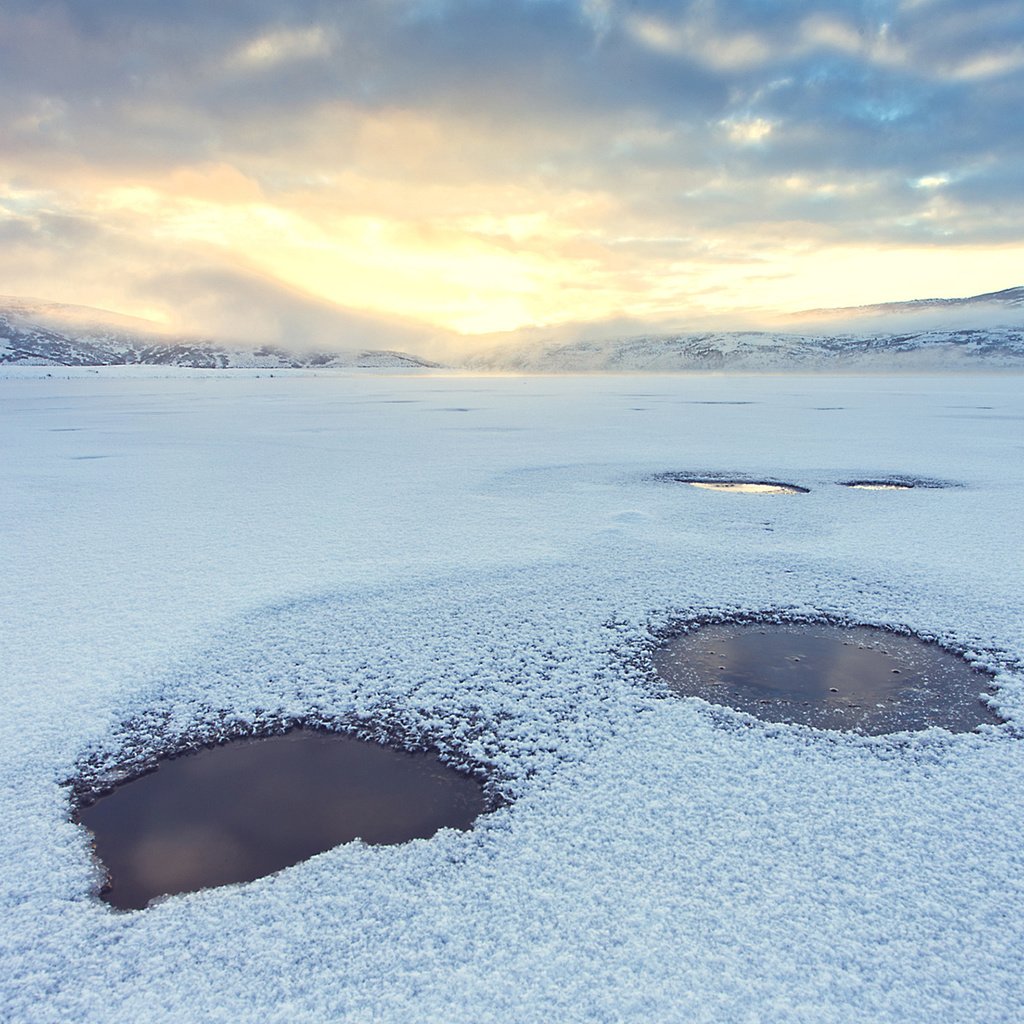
988	348
37	333
978	332
1007	297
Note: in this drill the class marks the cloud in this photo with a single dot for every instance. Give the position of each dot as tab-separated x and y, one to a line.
281	46
698	40
186	288
747	130
482	163
243	306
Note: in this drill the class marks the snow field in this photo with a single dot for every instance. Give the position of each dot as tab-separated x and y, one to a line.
477	562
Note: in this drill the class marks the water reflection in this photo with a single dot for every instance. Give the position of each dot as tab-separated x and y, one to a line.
831	677
738	485
251	807
743	488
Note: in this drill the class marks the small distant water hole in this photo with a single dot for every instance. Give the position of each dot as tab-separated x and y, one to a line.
738	485
897	483
848	678
250	807
878	485
743	487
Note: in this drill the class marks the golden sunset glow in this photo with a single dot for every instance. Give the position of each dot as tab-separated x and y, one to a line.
561	162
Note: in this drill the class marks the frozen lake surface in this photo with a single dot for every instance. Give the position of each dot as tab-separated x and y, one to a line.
479	563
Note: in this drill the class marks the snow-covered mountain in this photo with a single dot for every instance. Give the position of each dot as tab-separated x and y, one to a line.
42	333
1007	300
763	350
979	332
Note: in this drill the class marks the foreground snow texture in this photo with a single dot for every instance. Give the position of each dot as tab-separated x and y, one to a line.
473	560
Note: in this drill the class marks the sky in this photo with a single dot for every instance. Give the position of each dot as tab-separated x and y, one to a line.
487	165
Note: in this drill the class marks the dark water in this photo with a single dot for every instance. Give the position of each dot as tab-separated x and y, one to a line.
251	807
879	485
856	678
898	483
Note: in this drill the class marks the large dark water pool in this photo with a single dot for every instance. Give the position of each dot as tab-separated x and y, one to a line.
853	678
250	807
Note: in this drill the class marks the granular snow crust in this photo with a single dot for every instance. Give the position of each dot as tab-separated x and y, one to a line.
479	563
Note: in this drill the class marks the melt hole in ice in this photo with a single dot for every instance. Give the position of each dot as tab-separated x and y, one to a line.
737	485
745	488
848	678
742	486
879	485
250	807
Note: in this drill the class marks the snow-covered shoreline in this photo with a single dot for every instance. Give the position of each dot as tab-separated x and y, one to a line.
470	558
